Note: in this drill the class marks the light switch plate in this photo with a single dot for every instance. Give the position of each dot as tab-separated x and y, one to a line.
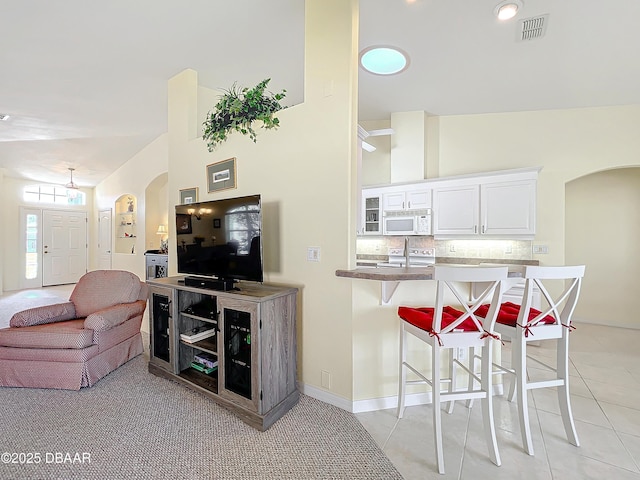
313	254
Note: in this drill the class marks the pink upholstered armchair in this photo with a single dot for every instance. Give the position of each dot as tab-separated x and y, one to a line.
74	344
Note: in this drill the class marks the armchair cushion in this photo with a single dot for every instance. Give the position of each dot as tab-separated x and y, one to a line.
100	289
66	334
112	316
44	314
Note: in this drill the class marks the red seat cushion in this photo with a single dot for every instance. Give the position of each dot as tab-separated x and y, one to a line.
422	317
508	314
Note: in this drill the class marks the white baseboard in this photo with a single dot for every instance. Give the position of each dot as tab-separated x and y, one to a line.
326	397
373	404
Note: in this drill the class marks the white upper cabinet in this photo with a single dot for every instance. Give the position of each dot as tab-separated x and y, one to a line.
493	206
411	197
371	212
508	208
393	201
456	210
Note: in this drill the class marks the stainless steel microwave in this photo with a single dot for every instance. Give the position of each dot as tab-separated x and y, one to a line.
407	224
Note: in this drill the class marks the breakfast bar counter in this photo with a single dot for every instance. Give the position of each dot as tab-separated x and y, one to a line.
388	274
392	276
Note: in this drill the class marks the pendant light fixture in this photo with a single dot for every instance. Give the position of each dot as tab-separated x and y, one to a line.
71	185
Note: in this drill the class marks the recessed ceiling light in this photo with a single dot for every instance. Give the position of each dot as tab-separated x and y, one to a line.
508	9
384	60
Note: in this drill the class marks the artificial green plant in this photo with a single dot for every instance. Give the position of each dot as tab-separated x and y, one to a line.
237	109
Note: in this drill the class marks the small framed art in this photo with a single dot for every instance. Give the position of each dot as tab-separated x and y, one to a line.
188	195
221	175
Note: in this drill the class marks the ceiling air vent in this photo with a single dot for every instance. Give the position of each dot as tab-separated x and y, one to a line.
4	117
532	28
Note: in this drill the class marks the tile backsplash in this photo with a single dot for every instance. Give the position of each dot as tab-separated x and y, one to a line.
481	249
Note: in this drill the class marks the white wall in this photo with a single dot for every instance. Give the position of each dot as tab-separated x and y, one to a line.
3	200
306	186
408	146
131	178
157	210
602	230
376	168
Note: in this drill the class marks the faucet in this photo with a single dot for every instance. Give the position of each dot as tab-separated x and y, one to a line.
406	251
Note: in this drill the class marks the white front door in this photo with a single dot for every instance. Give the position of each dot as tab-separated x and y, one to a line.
64	247
104	240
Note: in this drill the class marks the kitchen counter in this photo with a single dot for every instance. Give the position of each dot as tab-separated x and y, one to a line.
365	260
392	276
388	274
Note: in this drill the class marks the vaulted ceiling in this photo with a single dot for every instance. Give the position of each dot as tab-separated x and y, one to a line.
85	83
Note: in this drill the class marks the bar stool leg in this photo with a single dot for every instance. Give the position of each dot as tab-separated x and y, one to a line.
563	390
519	346
403	371
452	377
487	403
437	415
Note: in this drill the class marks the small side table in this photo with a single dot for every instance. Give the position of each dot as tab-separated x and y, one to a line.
157	264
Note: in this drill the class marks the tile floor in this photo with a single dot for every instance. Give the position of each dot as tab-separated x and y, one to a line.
605	395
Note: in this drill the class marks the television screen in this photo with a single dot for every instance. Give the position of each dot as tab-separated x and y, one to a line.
221	238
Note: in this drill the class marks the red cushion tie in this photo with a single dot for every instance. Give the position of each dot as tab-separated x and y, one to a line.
434	334
495	336
527	329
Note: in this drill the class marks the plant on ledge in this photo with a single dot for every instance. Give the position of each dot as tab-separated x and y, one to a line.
237	109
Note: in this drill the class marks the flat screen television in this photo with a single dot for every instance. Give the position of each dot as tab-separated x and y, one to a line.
221	239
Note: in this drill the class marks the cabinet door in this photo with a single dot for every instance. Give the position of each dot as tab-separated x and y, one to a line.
456	210
508	208
394	201
161	315
418	199
239	366
372	213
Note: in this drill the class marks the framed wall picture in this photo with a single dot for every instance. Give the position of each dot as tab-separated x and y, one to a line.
216	223
188	195
183	223
221	175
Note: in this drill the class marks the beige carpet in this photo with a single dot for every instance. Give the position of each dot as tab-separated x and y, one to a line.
134	425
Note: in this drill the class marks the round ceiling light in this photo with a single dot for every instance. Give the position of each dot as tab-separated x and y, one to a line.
382	60
507	10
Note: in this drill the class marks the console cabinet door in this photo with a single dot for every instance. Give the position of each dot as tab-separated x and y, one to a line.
238	364
161	318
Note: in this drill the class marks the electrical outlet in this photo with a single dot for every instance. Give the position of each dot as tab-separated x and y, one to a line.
540	249
313	254
462	353
325	380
